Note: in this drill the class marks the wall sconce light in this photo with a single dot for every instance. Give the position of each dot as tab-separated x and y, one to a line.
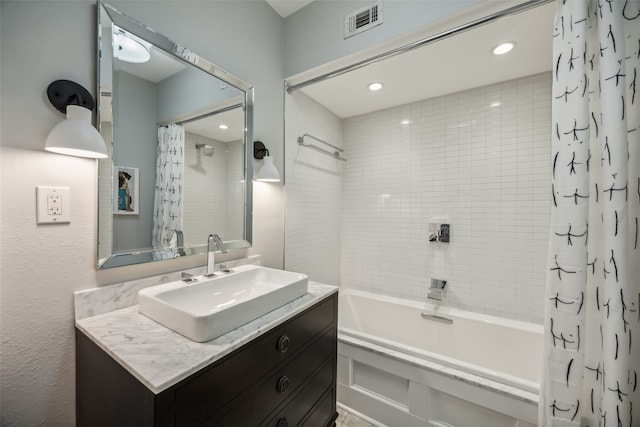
267	172
75	136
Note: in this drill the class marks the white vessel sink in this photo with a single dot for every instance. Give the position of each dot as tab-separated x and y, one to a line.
209	307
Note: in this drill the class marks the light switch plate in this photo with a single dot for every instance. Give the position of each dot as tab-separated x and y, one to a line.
53	205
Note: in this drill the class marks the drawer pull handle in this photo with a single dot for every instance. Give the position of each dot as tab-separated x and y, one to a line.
283	384
283	344
282	422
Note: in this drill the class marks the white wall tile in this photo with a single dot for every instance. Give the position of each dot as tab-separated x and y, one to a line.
483	167
313	182
205	180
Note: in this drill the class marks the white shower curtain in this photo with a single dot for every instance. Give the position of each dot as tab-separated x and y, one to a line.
167	209
592	323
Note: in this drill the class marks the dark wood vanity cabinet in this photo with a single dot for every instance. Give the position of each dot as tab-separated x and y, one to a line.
284	378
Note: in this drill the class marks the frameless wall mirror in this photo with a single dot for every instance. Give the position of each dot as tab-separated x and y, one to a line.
179	165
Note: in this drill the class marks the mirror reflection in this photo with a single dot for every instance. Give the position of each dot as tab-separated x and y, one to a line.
177	169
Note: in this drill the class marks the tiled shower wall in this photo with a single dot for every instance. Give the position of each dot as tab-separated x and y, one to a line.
478	160
209	180
235	191
313	188
204	178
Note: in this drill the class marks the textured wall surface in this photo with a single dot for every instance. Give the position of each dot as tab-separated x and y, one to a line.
315	34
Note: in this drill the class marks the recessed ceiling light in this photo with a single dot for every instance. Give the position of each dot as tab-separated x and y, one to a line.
375	86
223	126
405	122
503	48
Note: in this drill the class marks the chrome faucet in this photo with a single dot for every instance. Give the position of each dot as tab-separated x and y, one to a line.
213	242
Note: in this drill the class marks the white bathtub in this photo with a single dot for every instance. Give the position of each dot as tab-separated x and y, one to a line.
397	369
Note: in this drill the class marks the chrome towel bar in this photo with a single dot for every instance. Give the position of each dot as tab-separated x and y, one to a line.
335	154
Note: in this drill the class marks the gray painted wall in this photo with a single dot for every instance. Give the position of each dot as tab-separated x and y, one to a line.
315	34
135	136
189	91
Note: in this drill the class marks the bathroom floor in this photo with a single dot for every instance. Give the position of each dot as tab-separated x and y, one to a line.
346	419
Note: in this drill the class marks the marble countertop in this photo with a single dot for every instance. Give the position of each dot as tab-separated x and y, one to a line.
160	358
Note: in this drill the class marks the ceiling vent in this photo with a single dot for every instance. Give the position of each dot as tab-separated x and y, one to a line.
362	19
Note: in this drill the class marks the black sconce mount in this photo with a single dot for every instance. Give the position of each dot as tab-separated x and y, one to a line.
65	92
259	150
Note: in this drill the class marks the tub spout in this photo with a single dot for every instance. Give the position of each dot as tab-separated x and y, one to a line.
436	318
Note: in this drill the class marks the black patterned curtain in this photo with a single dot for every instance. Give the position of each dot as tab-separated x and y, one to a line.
592	324
167	206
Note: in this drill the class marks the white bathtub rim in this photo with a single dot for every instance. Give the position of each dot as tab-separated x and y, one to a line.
446	311
467	377
472	370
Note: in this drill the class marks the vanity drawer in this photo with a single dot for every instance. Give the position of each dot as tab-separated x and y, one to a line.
255	406
324	414
317	395
211	391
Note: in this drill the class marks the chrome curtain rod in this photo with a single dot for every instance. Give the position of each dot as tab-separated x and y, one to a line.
202	116
211	113
335	154
419	43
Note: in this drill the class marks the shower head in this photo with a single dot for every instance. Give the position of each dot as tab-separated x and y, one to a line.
206	149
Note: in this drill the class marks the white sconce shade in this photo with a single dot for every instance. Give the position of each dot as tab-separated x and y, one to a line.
76	136
268	171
